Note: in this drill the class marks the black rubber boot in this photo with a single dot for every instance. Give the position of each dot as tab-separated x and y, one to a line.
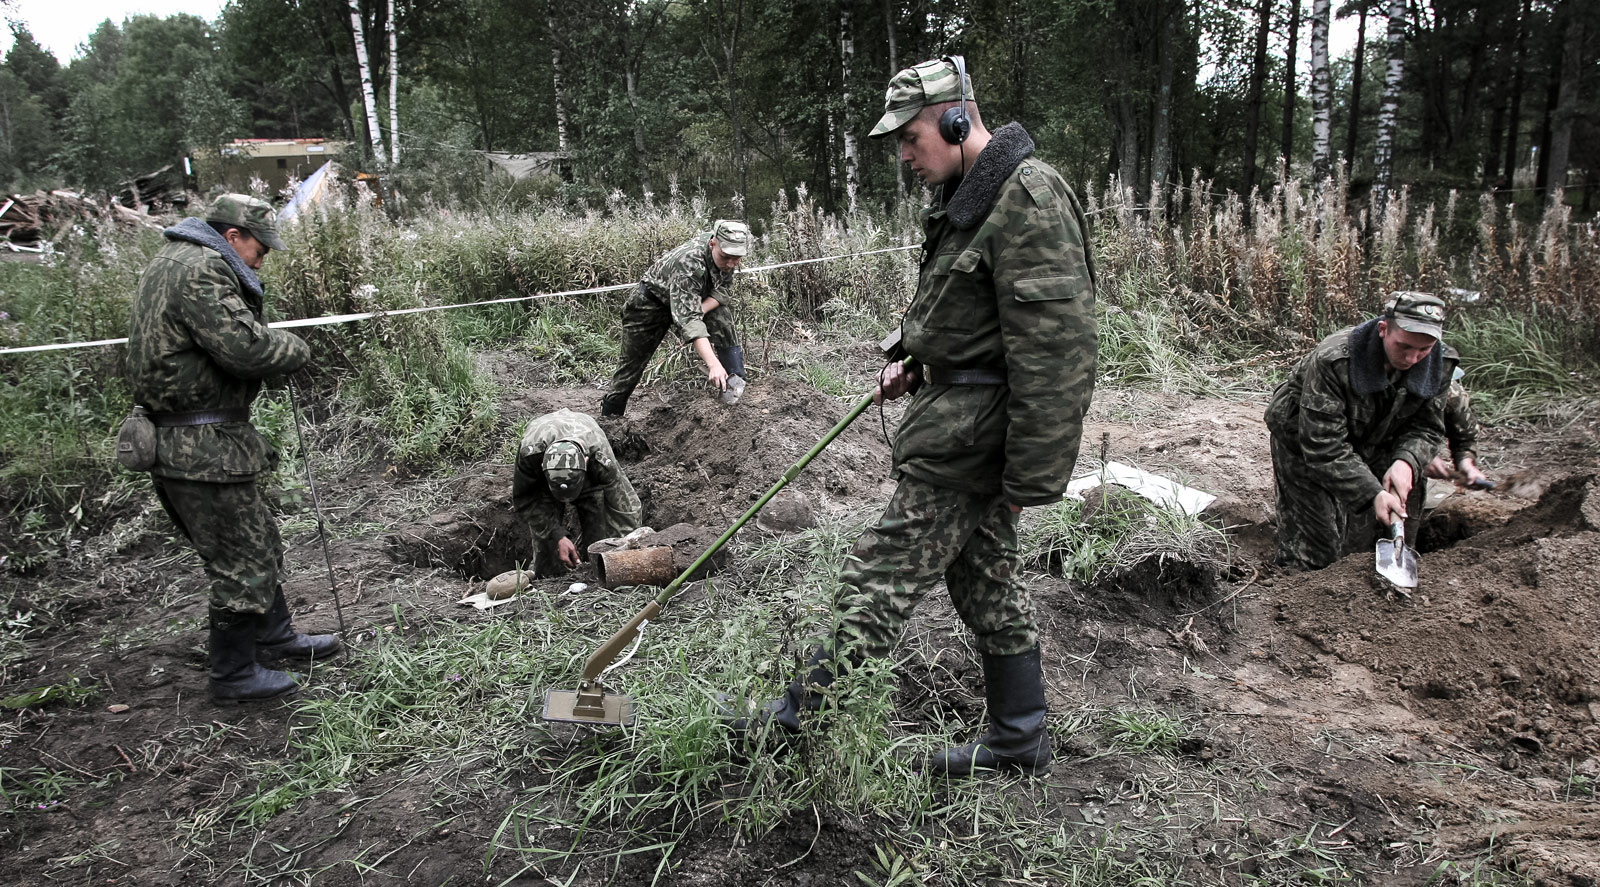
235	676
613	406
732	358
276	639
803	694
1016	738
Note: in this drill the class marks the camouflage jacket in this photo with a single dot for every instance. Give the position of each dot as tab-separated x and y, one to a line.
1350	418
1006	284
1460	428
530	491
684	277
197	340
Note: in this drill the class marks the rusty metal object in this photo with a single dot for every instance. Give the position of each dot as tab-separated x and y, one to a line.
641	566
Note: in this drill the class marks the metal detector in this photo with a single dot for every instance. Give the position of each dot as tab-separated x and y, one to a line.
591	703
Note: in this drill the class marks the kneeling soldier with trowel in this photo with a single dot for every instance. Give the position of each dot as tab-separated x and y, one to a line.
687	290
1002	332
1352	428
565	458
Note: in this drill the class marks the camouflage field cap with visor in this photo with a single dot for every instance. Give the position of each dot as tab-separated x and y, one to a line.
733	237
930	83
250	213
1416	312
564	470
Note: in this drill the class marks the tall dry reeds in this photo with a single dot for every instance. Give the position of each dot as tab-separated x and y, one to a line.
1307	262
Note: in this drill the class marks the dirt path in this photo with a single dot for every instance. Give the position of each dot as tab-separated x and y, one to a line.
1461	722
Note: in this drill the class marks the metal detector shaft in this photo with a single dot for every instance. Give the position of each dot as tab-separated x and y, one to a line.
608	651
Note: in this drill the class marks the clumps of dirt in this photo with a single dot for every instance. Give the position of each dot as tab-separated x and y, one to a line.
705	462
1498	638
480	539
1157	559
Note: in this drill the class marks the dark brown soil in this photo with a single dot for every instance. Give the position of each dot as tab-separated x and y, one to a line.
1459	724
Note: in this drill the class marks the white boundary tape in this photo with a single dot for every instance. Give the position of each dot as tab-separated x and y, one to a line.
369	315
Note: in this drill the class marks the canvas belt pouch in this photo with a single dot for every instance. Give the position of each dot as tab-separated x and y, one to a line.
136	441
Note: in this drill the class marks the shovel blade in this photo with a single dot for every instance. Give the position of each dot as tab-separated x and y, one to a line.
1397	563
580	707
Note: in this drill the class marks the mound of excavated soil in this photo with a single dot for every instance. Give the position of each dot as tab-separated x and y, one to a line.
1499	638
692	459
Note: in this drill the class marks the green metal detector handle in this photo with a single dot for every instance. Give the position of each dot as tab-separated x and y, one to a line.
608	651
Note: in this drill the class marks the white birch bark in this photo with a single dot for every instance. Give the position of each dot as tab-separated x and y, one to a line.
852	166
369	100
1321	92
559	85
394	92
1389	110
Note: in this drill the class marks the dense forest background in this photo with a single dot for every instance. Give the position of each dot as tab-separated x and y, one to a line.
736	99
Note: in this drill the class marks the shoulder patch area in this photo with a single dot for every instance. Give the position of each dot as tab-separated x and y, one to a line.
1034	179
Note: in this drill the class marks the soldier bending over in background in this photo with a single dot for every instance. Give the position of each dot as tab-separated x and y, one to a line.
686	290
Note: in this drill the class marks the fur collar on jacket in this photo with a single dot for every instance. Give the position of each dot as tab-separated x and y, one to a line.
194	230
1369	371
975	193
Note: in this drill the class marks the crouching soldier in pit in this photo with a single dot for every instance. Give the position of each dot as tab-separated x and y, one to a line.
566	459
1352	428
686	290
198	350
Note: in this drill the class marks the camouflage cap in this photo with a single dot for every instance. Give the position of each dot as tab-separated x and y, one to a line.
733	237
565	469
929	83
250	213
1416	312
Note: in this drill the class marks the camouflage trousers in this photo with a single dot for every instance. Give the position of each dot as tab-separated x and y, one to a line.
926	533
645	322
1316	528
236	535
602	514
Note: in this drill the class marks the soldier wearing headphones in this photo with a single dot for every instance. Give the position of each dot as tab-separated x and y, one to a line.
1001	344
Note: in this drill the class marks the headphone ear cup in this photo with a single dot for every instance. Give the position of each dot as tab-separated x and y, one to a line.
954	125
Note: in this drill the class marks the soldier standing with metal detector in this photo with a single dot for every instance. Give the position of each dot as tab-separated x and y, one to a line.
1002	338
198	350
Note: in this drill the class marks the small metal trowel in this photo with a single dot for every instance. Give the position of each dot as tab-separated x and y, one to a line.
1397	562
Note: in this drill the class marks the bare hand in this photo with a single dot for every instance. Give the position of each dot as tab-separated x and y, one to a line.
567	552
1470	474
717	376
1015	509
1398	479
1388	508
1439	469
894	381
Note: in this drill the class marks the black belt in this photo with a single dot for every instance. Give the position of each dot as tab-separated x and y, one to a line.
963	376
200	417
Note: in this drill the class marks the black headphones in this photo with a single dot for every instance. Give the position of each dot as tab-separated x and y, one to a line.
954	124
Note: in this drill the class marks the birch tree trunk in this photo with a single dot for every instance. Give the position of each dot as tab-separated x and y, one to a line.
363	64
852	167
394	91
556	81
1389	110
1321	91
1355	91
